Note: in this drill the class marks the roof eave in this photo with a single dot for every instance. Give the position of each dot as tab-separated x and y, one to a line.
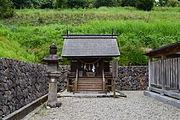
156	52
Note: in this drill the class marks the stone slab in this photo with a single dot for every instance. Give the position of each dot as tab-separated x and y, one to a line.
88	94
164	99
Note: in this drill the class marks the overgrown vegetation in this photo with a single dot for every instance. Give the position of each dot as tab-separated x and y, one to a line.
28	35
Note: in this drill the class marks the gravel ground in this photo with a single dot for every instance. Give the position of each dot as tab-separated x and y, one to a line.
135	107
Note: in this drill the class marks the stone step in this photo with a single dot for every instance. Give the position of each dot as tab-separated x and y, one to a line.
95	90
89	84
90	87
90	80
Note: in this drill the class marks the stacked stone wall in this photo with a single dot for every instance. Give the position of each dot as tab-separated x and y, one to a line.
20	83
132	78
129	78
23	82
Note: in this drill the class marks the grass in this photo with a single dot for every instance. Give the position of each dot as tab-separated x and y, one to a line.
36	17
33	30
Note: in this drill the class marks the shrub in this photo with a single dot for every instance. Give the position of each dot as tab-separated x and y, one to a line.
128	3
6	9
146	5
108	3
76	3
173	3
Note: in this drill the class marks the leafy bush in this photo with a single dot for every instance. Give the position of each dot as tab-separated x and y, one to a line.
6	9
173	3
108	3
146	5
128	3
76	3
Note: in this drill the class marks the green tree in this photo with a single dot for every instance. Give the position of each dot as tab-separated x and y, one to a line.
128	3
146	5
47	4
60	3
76	3
162	2
108	3
173	3
6	9
20	4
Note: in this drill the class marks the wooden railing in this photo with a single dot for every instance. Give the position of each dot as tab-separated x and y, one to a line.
165	74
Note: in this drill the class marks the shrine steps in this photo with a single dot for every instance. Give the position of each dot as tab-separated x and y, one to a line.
90	85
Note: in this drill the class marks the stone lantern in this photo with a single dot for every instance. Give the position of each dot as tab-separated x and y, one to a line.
53	59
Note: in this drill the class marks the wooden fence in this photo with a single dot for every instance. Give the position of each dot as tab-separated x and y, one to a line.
165	74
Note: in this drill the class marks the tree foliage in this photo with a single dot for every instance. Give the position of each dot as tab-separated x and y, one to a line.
108	3
6	9
128	3
60	3
19	4
146	5
162	2
173	3
76	3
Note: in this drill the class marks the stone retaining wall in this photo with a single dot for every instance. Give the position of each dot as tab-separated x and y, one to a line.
20	83
129	78
23	82
132	78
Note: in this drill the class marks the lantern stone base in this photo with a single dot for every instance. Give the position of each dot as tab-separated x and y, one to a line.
52	95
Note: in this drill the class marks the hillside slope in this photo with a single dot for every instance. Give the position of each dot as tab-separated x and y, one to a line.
30	32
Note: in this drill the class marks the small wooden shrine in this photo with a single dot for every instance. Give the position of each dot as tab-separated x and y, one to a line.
90	56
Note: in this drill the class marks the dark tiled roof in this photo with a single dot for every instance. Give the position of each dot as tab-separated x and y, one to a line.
90	46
